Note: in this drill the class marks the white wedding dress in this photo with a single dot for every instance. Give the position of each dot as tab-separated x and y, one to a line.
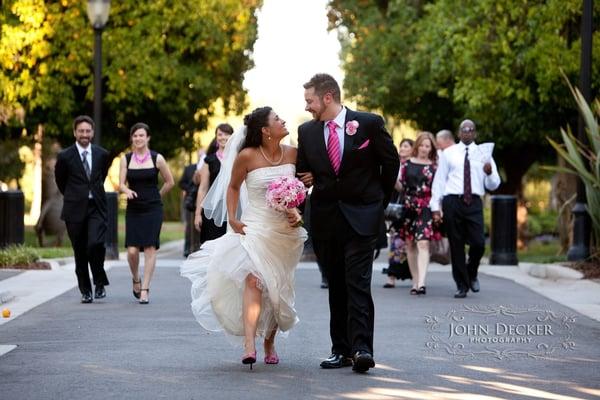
270	250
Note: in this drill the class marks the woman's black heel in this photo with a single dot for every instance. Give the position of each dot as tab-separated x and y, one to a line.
422	290
249	358
136	294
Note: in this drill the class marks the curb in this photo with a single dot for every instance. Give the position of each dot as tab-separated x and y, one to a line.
6	296
550	271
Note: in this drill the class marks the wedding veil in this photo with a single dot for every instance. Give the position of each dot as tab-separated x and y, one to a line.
215	202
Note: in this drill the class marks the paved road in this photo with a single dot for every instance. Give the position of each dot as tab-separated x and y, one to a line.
118	349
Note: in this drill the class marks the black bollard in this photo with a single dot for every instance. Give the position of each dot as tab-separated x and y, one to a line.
111	241
504	230
12	213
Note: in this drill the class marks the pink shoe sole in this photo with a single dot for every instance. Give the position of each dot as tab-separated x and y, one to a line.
272	359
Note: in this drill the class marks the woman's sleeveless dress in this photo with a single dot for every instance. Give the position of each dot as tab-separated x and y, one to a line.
210	230
144	214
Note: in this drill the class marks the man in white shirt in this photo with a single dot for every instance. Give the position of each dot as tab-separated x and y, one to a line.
460	181
444	139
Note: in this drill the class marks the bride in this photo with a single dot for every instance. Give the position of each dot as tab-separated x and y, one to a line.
243	282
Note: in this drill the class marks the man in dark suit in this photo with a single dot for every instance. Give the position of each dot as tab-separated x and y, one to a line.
351	162
80	172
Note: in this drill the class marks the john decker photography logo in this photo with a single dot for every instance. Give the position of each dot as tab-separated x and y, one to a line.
500	332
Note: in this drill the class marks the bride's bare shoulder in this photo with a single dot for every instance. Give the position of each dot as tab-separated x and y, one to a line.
290	149
247	154
291	153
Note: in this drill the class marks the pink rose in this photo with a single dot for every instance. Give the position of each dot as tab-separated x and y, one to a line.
351	127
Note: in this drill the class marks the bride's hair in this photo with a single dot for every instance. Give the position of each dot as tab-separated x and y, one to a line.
254	122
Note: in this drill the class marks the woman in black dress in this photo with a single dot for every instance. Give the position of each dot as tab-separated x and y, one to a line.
138	180
208	174
397	261
417	228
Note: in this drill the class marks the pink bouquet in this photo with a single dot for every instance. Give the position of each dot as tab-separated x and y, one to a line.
285	192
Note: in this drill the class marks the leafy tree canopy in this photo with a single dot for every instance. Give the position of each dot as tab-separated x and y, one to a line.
497	62
164	63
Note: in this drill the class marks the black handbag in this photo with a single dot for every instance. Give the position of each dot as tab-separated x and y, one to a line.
394	212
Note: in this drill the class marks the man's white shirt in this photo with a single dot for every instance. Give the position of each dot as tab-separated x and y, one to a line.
88	158
449	176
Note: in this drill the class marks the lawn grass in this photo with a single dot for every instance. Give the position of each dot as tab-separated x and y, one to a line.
538	251
543	252
171	230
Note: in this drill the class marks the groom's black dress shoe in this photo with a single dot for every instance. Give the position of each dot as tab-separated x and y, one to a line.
87	297
100	292
363	361
336	361
475	285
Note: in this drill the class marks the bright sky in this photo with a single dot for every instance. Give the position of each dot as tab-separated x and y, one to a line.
293	44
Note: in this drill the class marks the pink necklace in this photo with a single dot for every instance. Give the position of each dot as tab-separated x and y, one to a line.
220	154
141	160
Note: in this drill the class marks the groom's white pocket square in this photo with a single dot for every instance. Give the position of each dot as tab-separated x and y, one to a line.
364	145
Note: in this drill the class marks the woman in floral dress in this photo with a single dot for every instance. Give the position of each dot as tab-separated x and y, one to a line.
417	228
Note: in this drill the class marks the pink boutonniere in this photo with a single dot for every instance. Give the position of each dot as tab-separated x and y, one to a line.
351	127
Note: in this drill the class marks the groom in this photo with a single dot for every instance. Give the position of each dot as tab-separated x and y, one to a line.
351	161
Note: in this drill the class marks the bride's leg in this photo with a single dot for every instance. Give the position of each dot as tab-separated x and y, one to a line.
251	311
270	342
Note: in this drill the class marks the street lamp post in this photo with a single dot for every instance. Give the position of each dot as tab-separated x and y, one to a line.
580	248
98	11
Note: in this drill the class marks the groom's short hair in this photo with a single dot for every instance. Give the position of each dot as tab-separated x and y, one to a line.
325	83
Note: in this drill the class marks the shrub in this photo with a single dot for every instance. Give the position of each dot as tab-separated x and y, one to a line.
14	255
584	159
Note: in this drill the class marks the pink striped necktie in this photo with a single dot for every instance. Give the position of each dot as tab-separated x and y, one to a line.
333	147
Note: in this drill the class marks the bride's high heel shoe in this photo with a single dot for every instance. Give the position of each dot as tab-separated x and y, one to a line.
249	358
272	358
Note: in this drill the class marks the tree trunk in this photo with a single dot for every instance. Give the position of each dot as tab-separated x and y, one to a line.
562	199
515	163
36	203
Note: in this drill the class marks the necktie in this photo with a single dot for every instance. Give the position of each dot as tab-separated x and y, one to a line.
333	147
467	194
86	166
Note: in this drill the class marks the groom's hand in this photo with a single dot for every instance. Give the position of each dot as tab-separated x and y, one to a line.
306	178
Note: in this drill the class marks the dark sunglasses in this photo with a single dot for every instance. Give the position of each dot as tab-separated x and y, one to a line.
467	129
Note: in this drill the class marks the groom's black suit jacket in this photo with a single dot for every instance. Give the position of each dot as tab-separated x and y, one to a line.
366	178
75	186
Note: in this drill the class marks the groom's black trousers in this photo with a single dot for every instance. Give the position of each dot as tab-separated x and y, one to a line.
347	260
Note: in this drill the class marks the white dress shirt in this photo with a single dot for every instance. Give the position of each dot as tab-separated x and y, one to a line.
88	158
449	177
89	154
339	120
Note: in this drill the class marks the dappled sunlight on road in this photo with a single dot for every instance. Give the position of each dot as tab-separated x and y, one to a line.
386	393
488	383
511	389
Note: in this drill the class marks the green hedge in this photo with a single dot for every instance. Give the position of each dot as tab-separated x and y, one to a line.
17	255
